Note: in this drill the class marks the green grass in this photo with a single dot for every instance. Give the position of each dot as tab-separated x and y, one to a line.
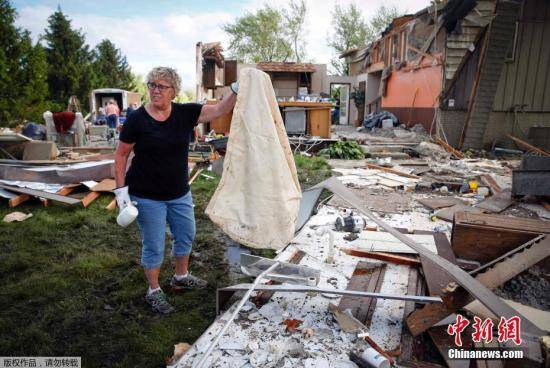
72	285
311	170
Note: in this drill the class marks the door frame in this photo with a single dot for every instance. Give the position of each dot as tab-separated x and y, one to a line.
349	94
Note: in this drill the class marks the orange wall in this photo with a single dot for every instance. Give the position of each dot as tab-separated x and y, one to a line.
402	85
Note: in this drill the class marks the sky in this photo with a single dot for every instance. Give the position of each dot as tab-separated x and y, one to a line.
165	32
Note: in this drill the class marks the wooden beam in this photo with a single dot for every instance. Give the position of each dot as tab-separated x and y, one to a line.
112	205
89	198
14	202
39	193
65	191
529	147
106	185
197	173
493	275
448	148
387	169
382	256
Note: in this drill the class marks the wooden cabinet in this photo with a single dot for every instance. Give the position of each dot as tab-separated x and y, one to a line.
317	116
222	124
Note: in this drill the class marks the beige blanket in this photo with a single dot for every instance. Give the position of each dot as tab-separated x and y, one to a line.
257	200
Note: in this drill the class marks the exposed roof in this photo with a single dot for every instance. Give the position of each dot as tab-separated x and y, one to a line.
348	52
286	67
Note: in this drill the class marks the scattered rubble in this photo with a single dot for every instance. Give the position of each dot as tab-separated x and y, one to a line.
430	196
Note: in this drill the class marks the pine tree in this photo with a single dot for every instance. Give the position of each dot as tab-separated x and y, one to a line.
32	81
111	68
23	88
69	60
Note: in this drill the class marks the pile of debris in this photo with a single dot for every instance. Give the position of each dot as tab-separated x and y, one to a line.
43	171
391	265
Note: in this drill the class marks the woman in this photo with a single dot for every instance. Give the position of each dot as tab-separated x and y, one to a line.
157	179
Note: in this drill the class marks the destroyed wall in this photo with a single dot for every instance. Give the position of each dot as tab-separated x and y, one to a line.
319	79
514	77
412	94
524	83
452	121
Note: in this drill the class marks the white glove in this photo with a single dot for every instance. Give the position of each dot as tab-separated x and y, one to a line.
235	87
122	197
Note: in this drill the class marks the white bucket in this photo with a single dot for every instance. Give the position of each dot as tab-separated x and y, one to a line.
127	215
387	124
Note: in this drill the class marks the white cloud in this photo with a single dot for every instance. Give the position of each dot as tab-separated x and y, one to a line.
170	39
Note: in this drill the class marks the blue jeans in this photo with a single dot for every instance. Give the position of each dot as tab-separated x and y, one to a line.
152	223
111	121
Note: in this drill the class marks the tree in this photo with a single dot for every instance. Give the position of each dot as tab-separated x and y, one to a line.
111	68
380	20
23	86
33	81
269	34
69	60
350	30
294	25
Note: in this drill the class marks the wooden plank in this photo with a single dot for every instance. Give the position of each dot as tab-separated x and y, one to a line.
484	237
195	176
112	205
448	148
387	169
529	147
14	202
448	213
489	181
473	286
65	190
39	193
491	277
89	198
436	279
106	185
498	202
393	258
364	278
437	203
377	279
406	337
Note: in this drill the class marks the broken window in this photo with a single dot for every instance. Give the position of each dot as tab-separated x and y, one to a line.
418	33
395	48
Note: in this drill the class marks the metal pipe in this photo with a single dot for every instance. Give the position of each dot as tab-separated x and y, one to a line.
351	293
211	347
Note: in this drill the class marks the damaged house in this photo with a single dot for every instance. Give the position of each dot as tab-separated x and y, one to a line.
470	71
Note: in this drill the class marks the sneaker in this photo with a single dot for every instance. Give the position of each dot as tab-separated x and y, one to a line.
157	300
187	283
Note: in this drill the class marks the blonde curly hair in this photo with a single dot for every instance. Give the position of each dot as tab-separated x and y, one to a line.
167	74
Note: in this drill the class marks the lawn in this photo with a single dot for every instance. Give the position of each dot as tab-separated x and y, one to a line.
72	284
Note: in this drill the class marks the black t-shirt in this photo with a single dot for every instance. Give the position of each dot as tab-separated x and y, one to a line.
159	167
